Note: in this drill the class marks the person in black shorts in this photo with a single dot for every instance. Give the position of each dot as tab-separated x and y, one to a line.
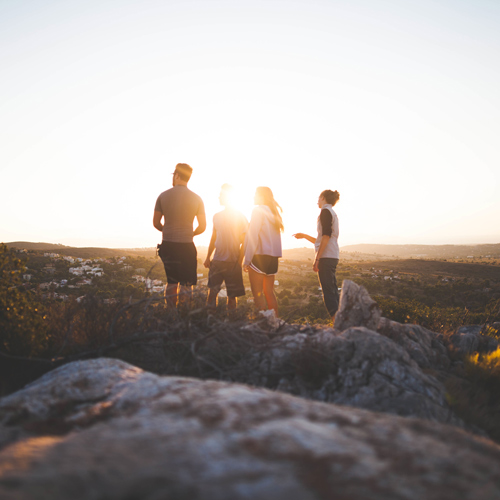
230	227
263	249
178	207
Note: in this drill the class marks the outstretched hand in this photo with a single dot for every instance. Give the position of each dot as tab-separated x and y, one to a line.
299	236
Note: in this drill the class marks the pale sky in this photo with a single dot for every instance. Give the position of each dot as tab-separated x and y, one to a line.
394	103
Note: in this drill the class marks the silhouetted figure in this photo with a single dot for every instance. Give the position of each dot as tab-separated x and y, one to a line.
327	249
263	248
178	207
230	227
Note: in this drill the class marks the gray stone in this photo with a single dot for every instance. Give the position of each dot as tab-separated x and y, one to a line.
356	308
356	367
426	348
104	429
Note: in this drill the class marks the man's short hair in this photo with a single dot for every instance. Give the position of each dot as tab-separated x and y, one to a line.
184	171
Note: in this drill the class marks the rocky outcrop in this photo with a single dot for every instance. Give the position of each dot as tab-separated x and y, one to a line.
356	367
353	364
356	308
105	429
424	347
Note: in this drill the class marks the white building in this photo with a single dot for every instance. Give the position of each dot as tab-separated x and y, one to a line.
83	282
96	271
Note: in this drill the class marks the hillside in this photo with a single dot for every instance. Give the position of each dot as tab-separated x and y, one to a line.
435	268
349	252
82	252
426	251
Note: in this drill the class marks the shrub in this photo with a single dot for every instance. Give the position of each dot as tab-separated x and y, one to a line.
475	398
22	327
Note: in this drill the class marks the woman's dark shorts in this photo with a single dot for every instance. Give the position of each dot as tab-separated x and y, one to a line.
264	264
230	272
180	262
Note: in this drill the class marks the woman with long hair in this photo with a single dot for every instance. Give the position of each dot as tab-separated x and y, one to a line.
263	248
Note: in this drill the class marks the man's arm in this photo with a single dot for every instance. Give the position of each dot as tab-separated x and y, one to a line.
157	220
242	248
211	248
202	224
201	218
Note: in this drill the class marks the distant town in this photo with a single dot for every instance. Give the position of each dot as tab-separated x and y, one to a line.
460	277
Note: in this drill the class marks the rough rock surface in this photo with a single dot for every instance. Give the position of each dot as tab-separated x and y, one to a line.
356	367
356	308
426	348
105	429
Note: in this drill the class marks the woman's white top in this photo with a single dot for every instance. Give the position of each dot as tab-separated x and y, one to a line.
262	237
332	250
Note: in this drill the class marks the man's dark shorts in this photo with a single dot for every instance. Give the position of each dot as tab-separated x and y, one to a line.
180	262
230	272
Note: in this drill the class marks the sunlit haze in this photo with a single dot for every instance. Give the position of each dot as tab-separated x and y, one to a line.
394	103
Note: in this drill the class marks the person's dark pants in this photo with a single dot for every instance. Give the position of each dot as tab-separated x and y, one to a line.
328	281
179	260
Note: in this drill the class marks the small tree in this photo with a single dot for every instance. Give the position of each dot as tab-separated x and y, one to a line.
22	329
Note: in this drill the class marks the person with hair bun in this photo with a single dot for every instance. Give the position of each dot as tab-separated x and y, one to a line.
263	248
327	249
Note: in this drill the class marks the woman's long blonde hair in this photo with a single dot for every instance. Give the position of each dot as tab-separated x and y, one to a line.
266	196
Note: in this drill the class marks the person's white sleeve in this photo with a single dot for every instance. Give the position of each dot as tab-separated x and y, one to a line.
252	236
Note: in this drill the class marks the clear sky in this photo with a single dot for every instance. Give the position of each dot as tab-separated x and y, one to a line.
394	103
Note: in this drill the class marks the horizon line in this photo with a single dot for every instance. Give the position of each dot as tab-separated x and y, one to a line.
288	248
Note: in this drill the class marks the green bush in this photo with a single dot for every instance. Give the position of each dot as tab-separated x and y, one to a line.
22	327
435	318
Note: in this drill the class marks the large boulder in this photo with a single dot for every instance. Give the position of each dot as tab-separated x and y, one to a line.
105	429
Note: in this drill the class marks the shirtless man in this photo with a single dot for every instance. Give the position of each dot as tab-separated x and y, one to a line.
178	207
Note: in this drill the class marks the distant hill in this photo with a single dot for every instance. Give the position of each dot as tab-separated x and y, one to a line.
299	253
425	251
435	268
349	252
83	252
29	245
